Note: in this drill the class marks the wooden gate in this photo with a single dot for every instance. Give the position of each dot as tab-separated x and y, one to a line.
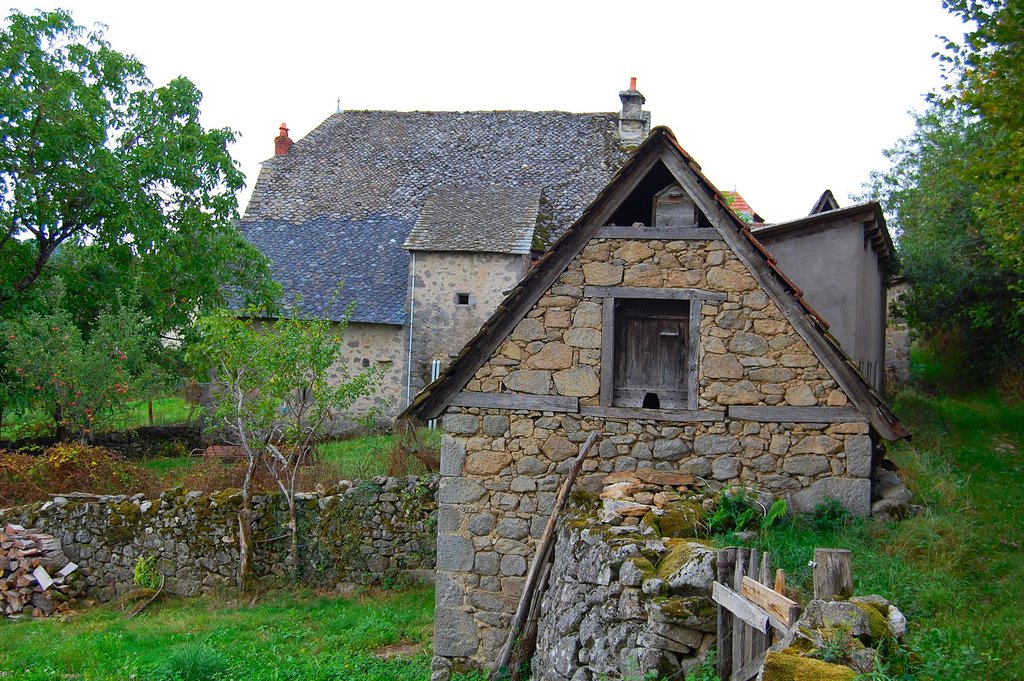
749	609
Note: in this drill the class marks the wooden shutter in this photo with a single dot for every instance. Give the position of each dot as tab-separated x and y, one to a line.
650	353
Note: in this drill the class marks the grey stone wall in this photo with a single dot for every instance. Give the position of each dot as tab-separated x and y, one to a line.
897	337
440	325
609	614
368	532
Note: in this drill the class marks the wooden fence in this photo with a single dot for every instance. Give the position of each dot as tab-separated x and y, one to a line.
749	609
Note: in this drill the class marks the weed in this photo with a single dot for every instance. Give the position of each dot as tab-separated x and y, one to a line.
146	575
736	512
192	662
830	515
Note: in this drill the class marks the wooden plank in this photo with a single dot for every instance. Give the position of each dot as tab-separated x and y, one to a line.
741	630
693	356
833	574
750	638
668	233
775	604
544	552
607	351
652	293
516	401
749	670
678	415
723	665
797	414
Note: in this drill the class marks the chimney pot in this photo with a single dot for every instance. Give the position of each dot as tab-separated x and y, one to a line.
282	143
632	83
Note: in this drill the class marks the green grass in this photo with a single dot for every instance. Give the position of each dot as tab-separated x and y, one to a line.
956	570
285	635
359	457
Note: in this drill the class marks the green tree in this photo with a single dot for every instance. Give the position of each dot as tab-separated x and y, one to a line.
275	386
81	382
112	183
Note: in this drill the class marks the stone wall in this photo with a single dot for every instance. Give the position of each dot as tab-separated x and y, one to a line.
370	531
135	443
609	613
897	337
440	325
501	467
380	345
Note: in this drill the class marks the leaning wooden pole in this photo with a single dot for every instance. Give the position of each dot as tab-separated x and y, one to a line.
540	559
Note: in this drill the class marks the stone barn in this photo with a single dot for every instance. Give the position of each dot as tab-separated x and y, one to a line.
659	320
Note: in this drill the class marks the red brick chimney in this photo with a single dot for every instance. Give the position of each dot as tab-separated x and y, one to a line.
282	143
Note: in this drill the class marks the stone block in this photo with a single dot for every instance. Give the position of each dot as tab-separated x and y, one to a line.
557	319
485	563
551	356
587	315
454	553
633	252
512	566
481	524
725	468
495	425
459	491
697	467
805	464
817	444
800	396
529	329
558	448
578	382
722	366
464	424
853	493
453	454
534	382
858	456
455	633
513	528
670	450
487	463
602	274
742	392
713	445
721	279
583	338
744	343
448	591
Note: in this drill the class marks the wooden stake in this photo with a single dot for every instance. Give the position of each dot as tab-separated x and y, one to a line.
780	581
833	574
545	550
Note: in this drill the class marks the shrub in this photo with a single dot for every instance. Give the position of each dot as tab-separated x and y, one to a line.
69	467
146	575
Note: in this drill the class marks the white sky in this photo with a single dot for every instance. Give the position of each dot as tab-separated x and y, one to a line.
779	100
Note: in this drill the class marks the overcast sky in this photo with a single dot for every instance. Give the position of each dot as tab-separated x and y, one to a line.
779	100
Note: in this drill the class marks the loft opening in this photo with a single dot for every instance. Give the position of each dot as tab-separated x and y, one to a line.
659	201
651	350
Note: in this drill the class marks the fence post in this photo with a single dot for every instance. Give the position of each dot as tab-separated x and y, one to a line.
151	413
833	574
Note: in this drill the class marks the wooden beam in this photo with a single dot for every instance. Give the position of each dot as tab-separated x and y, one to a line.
797	414
753	615
516	401
785	611
652	293
693	356
667	233
678	415
607	351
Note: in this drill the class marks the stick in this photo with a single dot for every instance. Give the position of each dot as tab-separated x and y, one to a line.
539	560
139	608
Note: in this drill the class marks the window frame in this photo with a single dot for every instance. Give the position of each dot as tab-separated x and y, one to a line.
609	295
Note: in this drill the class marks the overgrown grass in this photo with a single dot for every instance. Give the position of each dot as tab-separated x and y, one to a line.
359	457
956	570
285	635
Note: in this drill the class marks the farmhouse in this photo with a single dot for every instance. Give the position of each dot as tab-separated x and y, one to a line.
428	218
659	320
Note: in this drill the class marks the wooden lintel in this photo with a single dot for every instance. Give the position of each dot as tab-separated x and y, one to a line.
677	415
666	233
652	293
753	615
797	414
516	401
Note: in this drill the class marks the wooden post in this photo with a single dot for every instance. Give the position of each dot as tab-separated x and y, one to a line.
833	574
539	568
151	413
727	560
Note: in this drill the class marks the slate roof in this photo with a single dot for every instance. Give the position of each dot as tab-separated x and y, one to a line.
364	177
311	257
476	218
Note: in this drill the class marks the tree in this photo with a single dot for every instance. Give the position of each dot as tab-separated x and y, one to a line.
275	386
81	382
111	182
955	194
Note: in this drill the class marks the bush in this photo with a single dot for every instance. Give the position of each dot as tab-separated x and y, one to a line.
69	467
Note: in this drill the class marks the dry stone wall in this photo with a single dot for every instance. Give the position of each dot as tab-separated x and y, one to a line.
501	467
370	531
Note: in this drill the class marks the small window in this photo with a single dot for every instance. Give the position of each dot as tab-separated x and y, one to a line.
462	298
651	351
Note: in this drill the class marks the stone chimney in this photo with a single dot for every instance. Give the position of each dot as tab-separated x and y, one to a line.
634	122
282	143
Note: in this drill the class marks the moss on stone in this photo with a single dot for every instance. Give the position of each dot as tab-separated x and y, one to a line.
652	521
684	519
645	567
878	624
678	554
787	666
